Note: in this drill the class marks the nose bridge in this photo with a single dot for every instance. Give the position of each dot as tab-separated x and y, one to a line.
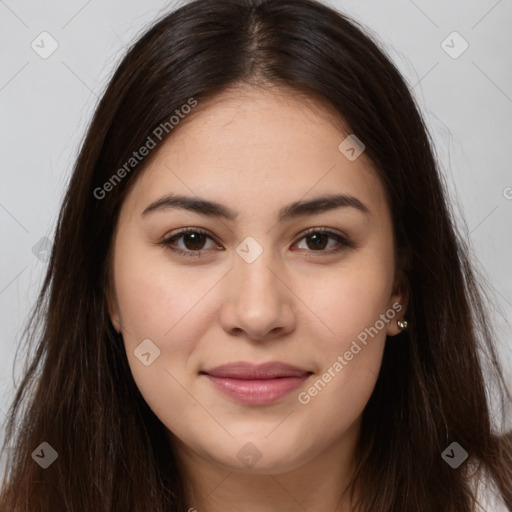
256	300
253	264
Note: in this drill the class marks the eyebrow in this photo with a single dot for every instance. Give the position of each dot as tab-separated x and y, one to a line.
297	209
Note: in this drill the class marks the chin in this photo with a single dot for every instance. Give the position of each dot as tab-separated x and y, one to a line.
260	457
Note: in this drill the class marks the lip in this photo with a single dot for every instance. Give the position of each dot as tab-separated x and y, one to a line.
256	384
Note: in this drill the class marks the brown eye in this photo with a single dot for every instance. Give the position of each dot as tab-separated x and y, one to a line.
193	242
318	240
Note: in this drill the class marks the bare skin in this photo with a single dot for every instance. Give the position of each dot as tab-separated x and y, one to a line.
298	302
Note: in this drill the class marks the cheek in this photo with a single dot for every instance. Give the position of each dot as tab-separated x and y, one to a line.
353	302
157	300
160	303
353	299
350	357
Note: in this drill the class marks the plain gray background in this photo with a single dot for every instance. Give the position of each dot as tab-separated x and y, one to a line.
46	104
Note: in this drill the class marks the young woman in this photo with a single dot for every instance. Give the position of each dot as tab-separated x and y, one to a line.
257	298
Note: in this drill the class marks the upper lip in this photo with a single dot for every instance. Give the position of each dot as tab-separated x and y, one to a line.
244	370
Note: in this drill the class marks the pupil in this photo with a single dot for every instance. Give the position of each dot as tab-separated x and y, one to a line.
195	237
317	236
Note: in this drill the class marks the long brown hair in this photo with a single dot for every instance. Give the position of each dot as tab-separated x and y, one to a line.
77	393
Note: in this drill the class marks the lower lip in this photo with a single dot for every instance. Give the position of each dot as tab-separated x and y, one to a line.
257	392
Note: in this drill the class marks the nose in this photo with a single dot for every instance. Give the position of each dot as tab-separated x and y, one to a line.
259	303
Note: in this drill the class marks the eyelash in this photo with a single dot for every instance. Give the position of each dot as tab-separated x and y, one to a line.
168	242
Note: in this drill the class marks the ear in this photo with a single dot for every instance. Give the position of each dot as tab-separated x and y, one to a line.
114	318
398	303
113	309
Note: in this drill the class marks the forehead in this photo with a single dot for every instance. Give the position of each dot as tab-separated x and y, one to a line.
257	120
251	146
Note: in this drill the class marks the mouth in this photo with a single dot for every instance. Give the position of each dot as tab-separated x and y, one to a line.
256	384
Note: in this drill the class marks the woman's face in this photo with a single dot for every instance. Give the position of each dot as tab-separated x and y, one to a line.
249	285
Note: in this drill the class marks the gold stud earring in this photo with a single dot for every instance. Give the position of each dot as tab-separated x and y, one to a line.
402	324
